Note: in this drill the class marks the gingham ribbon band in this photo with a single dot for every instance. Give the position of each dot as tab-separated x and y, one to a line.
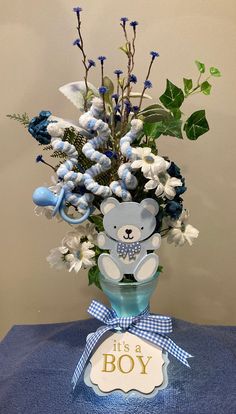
145	325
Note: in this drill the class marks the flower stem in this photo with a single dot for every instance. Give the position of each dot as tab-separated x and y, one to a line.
102	80
144	88
81	47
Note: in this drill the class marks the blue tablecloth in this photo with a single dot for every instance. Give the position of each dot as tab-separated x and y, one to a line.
37	362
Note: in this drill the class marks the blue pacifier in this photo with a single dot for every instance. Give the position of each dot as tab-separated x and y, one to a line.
43	197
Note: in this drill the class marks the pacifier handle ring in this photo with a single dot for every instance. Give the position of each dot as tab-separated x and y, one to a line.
59	202
71	220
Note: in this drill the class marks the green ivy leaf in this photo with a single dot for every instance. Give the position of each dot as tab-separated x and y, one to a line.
188	84
206	88
200	66
176	113
215	72
170	127
196	125
93	276
149	129
173	128
98	221
173	96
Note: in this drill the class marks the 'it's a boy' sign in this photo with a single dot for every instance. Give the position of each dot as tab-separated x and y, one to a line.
126	362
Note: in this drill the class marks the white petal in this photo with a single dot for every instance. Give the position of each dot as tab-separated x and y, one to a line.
151	184
69	257
159	190
63	249
137	164
169	192
78	266
147	152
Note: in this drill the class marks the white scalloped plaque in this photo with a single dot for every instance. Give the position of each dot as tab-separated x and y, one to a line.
126	362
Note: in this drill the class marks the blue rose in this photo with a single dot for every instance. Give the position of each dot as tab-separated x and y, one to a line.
174	170
173	209
38	127
181	189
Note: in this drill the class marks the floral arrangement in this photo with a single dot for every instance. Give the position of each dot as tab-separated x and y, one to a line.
113	150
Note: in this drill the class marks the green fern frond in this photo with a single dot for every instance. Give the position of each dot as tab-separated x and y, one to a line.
22	118
47	147
58	154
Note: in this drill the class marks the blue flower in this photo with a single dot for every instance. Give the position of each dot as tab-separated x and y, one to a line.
135	108
154	54
91	63
39	158
115	96
110	154
101	58
173	209
38	127
77	9
181	189
127	106
174	170
76	42
133	78
134	24
147	84
118	72
124	20
102	90
117	118
117	108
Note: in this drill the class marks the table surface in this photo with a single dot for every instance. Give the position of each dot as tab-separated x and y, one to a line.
37	363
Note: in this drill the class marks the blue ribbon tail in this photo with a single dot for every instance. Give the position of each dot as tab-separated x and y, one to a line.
90	344
163	342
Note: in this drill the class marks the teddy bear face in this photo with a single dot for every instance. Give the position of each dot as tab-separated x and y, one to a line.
129	222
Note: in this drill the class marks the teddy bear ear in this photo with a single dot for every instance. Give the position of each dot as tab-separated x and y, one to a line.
150	205
108	204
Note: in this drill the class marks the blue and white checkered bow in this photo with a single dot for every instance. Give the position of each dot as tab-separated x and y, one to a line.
145	325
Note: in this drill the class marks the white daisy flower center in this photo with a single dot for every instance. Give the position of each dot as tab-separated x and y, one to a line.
149	159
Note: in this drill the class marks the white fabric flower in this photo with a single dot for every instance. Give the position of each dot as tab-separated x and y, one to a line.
47	212
87	230
56	185
164	184
72	255
148	162
56	258
181	231
79	254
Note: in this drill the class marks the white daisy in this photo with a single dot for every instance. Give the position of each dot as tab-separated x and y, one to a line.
73	255
148	162
47	212
80	254
181	231
87	230
56	185
164	184
56	258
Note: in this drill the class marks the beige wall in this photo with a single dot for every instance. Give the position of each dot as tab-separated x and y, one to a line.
36	58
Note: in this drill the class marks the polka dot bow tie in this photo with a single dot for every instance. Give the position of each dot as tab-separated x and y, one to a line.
130	249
